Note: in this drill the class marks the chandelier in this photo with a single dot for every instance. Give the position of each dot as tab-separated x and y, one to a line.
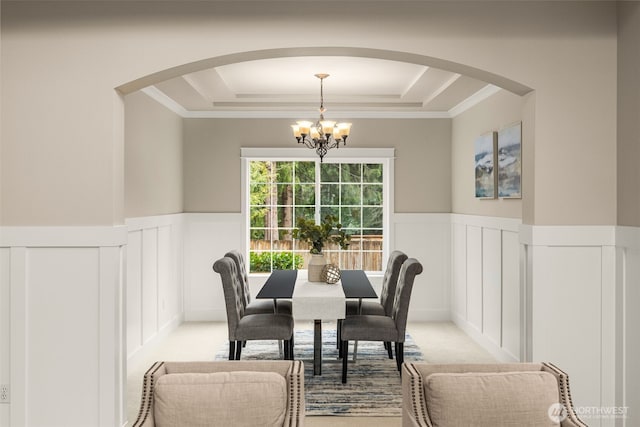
322	135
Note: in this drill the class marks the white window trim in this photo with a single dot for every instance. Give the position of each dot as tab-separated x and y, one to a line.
386	156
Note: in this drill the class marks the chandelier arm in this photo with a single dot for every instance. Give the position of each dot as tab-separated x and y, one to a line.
322	135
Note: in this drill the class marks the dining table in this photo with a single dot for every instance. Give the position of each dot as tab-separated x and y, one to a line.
317	301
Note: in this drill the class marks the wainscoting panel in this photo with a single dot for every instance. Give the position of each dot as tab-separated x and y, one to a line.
427	237
459	273
575	311
511	314
207	238
474	277
154	280
65	331
568	280
492	284
485	271
628	331
5	328
149	284
134	292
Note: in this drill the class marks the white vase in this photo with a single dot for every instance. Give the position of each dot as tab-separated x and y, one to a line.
315	267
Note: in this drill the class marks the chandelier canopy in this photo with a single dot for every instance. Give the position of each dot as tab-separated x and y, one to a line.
322	135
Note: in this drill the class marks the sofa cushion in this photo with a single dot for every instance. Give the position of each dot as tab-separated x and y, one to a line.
220	399
491	399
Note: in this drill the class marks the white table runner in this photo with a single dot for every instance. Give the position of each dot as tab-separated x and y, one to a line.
317	300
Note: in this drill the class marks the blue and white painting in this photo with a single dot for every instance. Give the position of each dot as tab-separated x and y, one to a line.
510	161
485	159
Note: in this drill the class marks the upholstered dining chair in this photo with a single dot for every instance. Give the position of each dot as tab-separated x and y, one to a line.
255	306
383	328
384	307
245	327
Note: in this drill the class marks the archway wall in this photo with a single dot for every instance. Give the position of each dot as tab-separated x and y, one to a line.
62	119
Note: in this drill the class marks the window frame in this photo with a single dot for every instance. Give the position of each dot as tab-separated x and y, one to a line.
385	156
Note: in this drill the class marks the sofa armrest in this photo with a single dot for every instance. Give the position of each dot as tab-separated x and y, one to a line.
572	419
145	415
414	402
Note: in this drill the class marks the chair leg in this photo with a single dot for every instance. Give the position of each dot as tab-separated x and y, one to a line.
244	344
399	354
232	349
238	349
291	348
285	349
345	356
387	345
338	338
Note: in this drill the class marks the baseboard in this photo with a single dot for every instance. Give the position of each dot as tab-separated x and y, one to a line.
499	353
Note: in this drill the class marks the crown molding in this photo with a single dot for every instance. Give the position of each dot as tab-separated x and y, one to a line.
160	97
474	100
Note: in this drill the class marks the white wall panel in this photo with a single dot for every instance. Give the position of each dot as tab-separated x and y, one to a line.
59	278
567	316
426	237
134	292
511	294
149	284
154	281
5	330
208	237
485	259
474	277
492	285
166	281
66	331
459	271
627	330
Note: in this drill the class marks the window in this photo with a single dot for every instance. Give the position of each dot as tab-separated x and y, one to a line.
281	191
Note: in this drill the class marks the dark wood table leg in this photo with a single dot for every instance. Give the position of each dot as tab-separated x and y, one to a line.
317	347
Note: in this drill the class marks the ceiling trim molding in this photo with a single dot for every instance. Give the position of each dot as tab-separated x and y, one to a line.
474	100
226	114
162	99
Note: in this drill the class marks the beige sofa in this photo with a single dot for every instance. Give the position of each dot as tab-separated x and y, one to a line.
223	393
483	395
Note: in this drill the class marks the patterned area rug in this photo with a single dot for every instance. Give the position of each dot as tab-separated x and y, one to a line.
373	386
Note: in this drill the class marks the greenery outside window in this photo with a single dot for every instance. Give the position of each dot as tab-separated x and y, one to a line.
280	192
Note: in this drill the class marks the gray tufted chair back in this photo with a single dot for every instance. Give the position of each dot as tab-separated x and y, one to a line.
243	277
226	267
390	280
410	269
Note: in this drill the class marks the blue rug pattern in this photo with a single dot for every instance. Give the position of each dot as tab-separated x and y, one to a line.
373	386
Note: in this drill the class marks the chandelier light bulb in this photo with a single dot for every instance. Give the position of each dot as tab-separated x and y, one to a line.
322	135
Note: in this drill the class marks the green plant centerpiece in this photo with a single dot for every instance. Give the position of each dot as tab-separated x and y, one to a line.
317	235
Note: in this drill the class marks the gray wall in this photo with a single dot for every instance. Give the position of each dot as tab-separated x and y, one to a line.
153	158
492	114
212	158
628	113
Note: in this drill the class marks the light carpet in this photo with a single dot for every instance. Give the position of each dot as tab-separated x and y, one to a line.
373	388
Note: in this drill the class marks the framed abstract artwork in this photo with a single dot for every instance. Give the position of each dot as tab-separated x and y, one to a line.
485	161
510	161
